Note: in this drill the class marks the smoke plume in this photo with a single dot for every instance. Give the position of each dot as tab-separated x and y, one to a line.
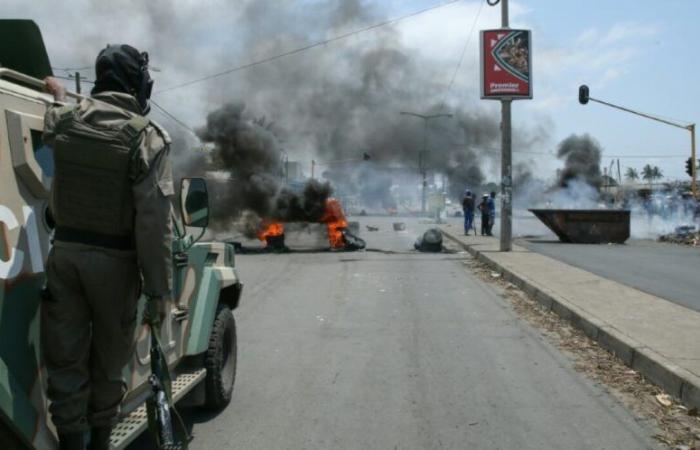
581	156
246	152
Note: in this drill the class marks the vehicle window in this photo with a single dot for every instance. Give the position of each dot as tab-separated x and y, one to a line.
43	153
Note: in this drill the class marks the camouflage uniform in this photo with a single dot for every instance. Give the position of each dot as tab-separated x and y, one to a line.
89	317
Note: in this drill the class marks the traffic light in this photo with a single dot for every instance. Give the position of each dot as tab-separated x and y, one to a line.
689	167
583	94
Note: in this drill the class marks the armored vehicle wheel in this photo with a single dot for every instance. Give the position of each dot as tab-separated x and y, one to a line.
220	360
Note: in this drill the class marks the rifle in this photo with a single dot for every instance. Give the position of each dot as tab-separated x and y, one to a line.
159	405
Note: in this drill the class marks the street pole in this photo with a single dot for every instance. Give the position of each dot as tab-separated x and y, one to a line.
506	161
423	168
584	98
422	154
693	162
77	82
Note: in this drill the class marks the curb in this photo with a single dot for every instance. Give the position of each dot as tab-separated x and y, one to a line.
677	381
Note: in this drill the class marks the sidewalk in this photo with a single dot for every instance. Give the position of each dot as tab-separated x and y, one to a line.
654	336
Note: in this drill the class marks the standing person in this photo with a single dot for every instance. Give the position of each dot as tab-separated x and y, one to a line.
111	203
492	211
468	209
484	208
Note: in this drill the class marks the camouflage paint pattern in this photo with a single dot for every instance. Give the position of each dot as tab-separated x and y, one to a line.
26	167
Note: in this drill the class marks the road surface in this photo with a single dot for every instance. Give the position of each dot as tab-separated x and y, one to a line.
373	350
668	271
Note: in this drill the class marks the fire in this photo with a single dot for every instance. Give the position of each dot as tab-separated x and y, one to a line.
334	218
269	228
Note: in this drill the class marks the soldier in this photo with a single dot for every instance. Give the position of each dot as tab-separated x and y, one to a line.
111	203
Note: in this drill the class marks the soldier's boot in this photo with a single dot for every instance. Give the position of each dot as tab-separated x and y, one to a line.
99	438
71	441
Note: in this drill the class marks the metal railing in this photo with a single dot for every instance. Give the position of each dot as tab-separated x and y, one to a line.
31	81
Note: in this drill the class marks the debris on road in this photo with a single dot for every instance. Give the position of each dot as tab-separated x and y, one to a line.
664	399
430	241
684	235
399	226
371	228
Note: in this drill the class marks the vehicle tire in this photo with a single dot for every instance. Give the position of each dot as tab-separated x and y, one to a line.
220	360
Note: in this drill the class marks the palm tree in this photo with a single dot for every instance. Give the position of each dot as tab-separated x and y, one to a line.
631	174
648	174
656	173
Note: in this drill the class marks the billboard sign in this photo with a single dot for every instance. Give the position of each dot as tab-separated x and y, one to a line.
506	64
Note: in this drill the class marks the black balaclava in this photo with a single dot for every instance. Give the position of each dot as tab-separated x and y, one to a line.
122	68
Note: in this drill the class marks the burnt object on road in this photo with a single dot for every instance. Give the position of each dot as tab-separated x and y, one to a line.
272	233
587	226
430	241
352	242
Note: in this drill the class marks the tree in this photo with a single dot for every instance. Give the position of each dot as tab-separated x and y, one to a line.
648	174
656	173
631	174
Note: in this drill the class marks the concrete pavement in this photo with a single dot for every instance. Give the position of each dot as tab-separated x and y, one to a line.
393	349
654	336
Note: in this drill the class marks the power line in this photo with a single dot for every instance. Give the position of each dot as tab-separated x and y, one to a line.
308	47
461	57
72	69
173	118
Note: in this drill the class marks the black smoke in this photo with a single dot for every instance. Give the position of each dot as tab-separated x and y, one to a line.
246	154
581	155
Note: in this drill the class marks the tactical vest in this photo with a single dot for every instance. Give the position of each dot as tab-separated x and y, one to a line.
92	197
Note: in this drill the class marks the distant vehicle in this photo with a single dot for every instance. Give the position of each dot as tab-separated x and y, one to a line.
199	334
452	209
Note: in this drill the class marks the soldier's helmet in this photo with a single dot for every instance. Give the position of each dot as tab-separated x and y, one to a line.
122	68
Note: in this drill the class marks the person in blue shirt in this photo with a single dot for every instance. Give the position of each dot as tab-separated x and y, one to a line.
491	204
468	209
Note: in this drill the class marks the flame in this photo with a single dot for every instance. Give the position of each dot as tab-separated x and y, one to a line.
269	228
334	218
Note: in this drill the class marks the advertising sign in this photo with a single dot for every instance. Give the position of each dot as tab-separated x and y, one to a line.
506	64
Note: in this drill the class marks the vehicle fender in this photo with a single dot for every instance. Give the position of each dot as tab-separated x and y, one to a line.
214	280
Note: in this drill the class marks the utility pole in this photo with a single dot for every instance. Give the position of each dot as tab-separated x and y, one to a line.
506	161
584	97
422	154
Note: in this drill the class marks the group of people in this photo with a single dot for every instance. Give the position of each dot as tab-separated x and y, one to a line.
487	207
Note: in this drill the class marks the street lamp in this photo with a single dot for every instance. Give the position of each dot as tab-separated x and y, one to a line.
584	97
421	154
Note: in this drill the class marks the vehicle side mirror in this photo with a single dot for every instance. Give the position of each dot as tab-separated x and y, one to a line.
583	94
194	202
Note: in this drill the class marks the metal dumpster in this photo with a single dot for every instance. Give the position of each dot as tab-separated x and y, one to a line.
587	226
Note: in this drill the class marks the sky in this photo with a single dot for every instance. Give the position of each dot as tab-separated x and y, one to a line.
637	53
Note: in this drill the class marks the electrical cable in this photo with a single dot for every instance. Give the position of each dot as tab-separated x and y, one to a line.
173	118
461	57
72	69
308	47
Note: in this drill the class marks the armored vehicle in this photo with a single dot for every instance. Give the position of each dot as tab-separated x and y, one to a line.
199	334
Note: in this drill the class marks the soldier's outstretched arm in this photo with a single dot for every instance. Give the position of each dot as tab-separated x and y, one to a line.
153	190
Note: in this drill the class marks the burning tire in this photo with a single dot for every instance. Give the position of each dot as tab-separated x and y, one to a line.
220	360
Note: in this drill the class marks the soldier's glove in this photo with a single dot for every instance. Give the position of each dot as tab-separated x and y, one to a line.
155	312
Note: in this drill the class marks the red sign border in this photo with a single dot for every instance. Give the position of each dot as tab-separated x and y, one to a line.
481	67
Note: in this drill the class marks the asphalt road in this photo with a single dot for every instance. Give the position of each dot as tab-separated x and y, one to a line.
666	270
374	350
